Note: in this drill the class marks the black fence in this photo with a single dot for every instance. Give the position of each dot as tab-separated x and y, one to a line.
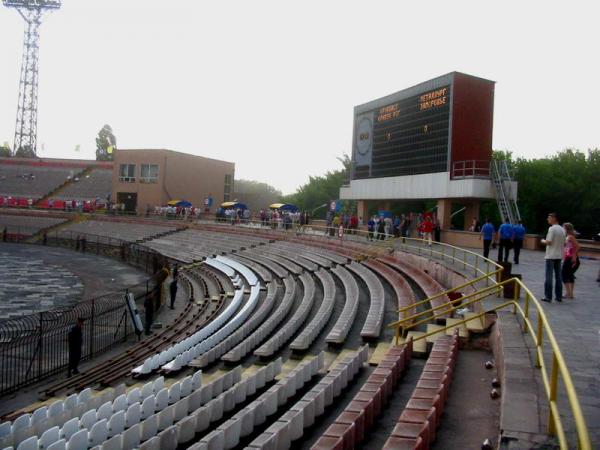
35	346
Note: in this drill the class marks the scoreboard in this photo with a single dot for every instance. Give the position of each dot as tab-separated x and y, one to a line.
423	129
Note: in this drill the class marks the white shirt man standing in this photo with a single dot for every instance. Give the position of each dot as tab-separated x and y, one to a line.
554	242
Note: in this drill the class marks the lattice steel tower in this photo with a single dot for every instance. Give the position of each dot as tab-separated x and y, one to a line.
26	127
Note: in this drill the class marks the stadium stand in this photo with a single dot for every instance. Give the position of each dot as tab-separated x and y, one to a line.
104	230
91	186
27	225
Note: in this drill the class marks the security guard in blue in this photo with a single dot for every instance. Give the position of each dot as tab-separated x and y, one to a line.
519	235
487	232
505	233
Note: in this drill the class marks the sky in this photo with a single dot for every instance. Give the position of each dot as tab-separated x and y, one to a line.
271	85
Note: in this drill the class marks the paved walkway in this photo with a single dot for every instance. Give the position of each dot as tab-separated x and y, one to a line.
576	326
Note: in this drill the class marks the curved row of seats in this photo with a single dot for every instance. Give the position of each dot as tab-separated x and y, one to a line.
344	322
184	420
417	424
277	269
63	419
293	258
427	284
290	265
260	270
243	331
244	271
403	291
267	327
227	436
359	415
318	322
180	354
290	426
374	321
290	328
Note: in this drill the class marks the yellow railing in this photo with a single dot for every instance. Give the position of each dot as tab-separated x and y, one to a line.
538	331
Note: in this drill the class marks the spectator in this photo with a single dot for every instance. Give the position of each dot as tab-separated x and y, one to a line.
519	235
554	242
505	234
571	259
173	292
75	343
487	232
149	313
427	229
45	238
5	234
370	228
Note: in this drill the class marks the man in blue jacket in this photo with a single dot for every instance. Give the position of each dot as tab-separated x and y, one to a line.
505	233
487	232
519	235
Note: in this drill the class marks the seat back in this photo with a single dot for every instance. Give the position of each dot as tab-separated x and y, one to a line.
98	433
79	441
148	406
105	411
116	424
49	437
72	426
133	415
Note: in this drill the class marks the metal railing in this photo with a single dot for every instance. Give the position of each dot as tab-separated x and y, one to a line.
538	331
473	168
35	346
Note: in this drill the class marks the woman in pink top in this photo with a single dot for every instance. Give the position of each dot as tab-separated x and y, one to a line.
571	259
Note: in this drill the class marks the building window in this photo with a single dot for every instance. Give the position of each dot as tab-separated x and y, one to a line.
127	173
148	173
228	187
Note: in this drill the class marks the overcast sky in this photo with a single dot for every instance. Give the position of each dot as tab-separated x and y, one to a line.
270	85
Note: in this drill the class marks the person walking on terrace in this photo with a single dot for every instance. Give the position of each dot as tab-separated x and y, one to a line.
554	242
487	232
571	259
518	237
505	234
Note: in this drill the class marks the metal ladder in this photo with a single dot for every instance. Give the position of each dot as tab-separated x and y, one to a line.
502	183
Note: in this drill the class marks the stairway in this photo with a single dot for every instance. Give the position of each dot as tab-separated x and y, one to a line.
53	229
502	184
58	189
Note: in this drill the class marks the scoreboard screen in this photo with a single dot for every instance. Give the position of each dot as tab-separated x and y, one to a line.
406	137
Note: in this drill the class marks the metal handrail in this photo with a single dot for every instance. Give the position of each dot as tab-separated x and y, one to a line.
559	366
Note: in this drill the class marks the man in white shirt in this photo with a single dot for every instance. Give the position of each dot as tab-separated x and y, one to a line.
554	242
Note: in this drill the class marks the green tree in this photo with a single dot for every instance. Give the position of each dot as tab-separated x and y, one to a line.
5	150
321	190
255	195
106	143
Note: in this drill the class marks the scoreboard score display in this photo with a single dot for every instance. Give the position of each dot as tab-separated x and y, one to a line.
411	132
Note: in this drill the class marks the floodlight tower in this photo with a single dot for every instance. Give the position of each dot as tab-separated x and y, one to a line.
26	127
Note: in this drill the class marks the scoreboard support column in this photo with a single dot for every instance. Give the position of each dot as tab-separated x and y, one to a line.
444	210
471	212
362	210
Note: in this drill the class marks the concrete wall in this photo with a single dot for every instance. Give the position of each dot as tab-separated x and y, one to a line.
180	176
469	239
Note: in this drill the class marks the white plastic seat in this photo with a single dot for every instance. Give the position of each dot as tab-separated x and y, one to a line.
131	437
21	422
56	409
149	427
174	393
120	403
196	380
116	424
105	411
72	426
165	418
186	386
70	402
49	437
133	415
148	406
39	415
181	409
5	429
79	441
30	443
134	396
147	390
58	445
162	399
151	444
114	443
98	433
168	438
158	384
84	395
90	417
